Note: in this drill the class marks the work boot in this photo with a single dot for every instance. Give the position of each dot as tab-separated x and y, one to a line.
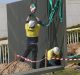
34	65
22	60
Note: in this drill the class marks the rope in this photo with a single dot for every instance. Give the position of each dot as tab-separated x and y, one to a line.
29	60
70	59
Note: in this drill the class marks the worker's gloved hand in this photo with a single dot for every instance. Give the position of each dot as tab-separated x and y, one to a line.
47	24
37	19
27	19
44	24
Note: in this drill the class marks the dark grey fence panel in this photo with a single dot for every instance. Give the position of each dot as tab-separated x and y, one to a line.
49	37
17	13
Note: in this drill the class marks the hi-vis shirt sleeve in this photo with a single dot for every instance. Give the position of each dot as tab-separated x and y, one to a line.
26	25
39	26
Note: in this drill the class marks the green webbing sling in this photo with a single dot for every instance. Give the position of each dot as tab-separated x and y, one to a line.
52	10
60	10
74	56
51	3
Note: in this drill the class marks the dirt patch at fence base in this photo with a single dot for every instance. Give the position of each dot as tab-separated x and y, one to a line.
73	48
72	66
14	67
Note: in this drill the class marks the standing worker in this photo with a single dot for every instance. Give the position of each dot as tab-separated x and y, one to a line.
32	32
32	28
53	53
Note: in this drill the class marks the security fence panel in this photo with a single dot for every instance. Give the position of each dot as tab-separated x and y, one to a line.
4	51
51	36
16	13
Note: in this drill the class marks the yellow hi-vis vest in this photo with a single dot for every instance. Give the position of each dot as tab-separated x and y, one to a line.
50	55
32	32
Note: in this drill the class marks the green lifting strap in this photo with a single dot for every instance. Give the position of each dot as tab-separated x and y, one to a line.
74	56
60	10
51	3
51	10
34	3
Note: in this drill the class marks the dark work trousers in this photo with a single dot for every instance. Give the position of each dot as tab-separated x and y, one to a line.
34	49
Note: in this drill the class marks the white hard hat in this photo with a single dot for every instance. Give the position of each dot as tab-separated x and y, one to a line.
32	23
56	50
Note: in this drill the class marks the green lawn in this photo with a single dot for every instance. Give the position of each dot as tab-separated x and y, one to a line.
65	72
68	72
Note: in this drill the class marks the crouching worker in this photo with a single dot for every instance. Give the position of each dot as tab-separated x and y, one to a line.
53	53
32	32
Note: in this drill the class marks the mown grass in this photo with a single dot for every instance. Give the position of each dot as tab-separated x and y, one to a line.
65	72
68	72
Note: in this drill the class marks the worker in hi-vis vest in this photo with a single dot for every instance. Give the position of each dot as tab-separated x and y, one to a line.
32	28
53	53
32	33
